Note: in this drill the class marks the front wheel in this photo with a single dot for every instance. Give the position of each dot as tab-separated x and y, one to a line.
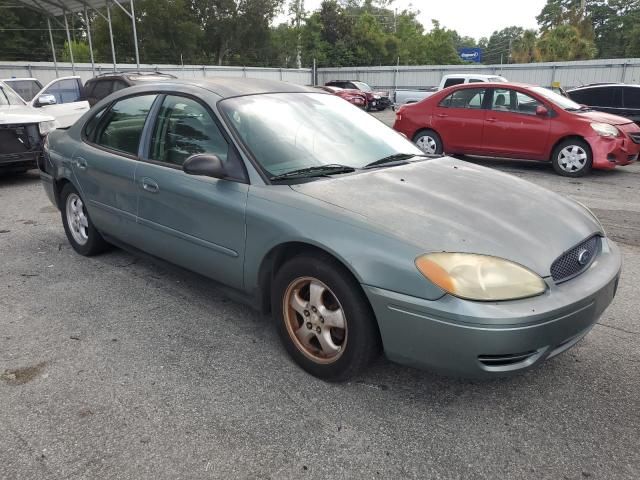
323	318
429	142
572	158
82	235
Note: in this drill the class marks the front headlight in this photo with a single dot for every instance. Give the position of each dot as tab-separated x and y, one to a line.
605	130
480	277
377	97
48	126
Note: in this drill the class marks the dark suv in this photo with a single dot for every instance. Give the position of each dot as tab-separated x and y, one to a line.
617	98
375	100
105	84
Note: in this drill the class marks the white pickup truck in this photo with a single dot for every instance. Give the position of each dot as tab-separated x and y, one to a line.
404	96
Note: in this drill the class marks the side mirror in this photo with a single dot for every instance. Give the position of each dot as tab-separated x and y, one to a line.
46	99
205	164
542	111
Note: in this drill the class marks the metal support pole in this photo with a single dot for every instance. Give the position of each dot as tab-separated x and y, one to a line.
66	27
93	63
135	34
113	48
53	48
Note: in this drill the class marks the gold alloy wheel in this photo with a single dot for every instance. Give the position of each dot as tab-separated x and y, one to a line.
315	320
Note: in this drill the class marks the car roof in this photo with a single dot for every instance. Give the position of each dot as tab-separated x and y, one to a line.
229	86
526	86
600	85
17	78
471	75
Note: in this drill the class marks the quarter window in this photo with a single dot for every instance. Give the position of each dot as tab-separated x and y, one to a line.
123	124
632	97
465	98
184	128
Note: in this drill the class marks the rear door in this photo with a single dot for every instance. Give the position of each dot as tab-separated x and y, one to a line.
193	221
459	120
631	103
70	102
512	128
105	165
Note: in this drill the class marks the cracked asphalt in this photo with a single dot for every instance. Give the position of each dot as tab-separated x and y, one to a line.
113	367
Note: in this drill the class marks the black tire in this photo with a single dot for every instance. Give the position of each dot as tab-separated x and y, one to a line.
94	243
570	169
429	137
361	339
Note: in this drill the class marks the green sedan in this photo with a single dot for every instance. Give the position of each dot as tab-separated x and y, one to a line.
355	242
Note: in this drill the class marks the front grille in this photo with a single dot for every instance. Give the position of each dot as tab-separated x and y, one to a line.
576	260
635	137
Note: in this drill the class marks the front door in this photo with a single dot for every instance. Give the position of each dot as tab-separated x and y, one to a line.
70	102
459	120
105	163
512	128
192	221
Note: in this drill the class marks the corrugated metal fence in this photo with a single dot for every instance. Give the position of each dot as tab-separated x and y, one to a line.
569	74
45	71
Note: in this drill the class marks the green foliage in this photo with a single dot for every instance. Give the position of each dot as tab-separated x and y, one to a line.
81	52
565	42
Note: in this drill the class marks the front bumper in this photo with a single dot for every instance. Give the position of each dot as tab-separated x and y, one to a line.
611	152
488	339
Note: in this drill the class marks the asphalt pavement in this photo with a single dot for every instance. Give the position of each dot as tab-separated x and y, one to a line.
114	367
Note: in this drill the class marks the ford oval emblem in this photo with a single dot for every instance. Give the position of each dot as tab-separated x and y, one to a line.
584	256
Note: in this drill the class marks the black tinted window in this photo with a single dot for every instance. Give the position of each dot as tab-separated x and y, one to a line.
598	96
465	98
453	81
184	128
123	124
65	91
632	97
101	89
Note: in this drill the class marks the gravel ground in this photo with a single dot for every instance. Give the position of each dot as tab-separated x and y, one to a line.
114	367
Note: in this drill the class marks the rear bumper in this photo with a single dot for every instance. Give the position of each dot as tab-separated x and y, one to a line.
19	161
484	340
611	152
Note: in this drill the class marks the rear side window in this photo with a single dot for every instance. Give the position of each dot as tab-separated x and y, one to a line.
122	127
465	98
453	81
101	89
632	97
598	97
65	91
475	80
118	85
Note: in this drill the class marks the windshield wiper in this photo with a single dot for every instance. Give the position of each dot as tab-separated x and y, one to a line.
396	157
316	171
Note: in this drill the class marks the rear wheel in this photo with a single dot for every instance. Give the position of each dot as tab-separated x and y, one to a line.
429	142
82	235
572	158
323	318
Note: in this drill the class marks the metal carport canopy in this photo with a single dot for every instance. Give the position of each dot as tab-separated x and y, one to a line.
61	8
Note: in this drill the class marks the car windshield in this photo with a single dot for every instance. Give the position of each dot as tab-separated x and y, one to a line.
26	88
497	79
287	132
562	102
362	86
8	96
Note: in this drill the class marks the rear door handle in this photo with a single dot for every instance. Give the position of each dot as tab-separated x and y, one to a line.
442	115
81	163
150	185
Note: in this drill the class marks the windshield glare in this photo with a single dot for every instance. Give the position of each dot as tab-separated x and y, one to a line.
562	102
291	131
362	86
8	96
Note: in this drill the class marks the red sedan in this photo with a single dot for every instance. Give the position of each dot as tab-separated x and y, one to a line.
355	97
520	121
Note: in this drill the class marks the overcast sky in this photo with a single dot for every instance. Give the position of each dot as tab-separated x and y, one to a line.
469	17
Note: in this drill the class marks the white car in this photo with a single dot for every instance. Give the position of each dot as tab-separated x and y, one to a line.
405	96
62	98
22	132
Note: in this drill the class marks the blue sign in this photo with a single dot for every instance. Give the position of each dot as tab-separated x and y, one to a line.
470	54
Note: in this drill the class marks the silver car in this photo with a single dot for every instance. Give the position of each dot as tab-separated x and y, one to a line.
355	241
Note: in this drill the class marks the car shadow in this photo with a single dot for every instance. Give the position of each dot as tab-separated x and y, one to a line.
8	179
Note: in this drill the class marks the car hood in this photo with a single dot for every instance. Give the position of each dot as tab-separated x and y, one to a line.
11	114
450	205
602	117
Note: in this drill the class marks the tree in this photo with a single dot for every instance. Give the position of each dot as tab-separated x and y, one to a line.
564	43
525	49
81	52
498	49
439	46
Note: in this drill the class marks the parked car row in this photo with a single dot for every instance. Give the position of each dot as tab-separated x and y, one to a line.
520	121
350	236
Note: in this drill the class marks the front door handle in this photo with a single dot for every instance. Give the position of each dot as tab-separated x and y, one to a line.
150	185
81	163
492	120
442	115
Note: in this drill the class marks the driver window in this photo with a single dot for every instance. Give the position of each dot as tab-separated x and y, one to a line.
184	128
65	91
512	101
